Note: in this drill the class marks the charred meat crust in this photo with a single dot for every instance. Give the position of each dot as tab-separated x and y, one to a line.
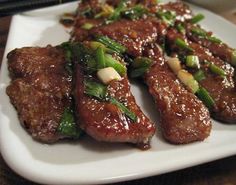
104	121
40	90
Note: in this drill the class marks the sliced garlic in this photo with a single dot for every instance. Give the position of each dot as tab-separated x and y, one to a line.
108	74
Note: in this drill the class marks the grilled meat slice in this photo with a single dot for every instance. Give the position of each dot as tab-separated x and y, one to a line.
216	47
221	89
105	121
27	61
40	90
184	118
134	35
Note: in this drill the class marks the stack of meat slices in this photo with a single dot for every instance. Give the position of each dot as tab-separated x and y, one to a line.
135	34
40	90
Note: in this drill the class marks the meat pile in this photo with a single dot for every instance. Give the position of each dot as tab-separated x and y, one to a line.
41	87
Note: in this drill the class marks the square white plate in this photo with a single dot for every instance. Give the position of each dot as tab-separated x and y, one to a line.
87	161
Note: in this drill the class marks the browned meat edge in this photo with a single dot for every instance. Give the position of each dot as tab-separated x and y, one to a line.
39	90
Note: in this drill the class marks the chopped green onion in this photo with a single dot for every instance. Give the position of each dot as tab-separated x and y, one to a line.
199	75
140	66
87	26
124	109
199	32
111	62
135	73
95	89
134	12
197	18
67	124
182	44
204	95
167	16
214	39
141	62
192	61
99	91
95	45
111	44
217	70
117	12
100	58
233	58
180	28
68	56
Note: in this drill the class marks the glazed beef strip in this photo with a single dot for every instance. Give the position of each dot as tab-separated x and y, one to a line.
105	121
222	89
40	90
216	47
184	118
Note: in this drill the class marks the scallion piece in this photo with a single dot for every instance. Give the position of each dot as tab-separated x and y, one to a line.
180	28
204	95
199	75
199	32
182	44
217	70
197	18
67	124
214	39
233	58
135	73
95	89
111	44
123	108
87	26
167	16
134	12
141	62
100	58
111	62
117	12
192	61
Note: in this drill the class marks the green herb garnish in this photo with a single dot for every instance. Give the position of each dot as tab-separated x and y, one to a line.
217	70
182	44
197	18
111	62
117	12
192	61
199	75
167	16
180	28
124	109
100	58
68	125
140	66
111	44
204	95
134	12
99	91
95	89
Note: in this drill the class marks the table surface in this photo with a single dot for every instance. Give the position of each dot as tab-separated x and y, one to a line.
220	172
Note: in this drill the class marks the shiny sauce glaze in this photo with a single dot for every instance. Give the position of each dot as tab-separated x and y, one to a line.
222	89
105	121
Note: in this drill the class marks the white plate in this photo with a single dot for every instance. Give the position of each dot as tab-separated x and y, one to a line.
87	161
